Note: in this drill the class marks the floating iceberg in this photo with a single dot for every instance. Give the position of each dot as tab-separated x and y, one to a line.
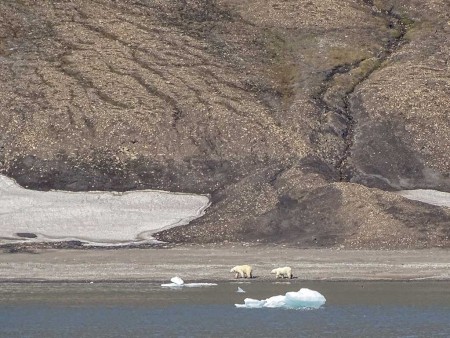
239	290
303	299
177	282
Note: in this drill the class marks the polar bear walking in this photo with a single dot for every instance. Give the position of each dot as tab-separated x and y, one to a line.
285	272
244	271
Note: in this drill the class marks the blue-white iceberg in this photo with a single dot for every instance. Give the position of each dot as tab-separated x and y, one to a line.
177	282
303	299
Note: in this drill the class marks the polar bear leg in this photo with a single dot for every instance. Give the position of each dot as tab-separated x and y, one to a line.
289	274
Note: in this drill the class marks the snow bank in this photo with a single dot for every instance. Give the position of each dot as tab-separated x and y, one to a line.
177	282
303	299
97	217
433	197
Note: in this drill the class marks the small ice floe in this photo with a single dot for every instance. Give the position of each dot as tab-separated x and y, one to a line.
303	299
239	290
177	282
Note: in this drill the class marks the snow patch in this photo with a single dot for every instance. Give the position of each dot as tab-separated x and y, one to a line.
434	197
95	217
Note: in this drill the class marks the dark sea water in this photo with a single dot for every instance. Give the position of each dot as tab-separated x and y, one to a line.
353	309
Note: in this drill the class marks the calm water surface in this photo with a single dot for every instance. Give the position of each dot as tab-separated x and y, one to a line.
353	309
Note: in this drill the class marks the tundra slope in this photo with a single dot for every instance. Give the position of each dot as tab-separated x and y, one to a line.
297	117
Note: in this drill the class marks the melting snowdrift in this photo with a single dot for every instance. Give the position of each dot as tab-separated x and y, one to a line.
303	299
99	217
434	197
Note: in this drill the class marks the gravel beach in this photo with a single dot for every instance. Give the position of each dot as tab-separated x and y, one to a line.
213	263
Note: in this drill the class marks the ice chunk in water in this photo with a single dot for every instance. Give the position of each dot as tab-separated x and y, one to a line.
172	285
252	303
198	285
177	280
275	301
303	299
239	290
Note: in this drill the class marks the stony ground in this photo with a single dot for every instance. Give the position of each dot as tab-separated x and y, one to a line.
298	117
214	262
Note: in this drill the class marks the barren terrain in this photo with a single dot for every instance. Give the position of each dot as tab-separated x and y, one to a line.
299	117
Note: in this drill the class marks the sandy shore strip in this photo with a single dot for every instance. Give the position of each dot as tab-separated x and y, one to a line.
213	263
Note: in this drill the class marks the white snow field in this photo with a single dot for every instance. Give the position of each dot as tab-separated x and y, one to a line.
99	218
434	197
303	299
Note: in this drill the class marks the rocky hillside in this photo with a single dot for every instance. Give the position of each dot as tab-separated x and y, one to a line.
299	117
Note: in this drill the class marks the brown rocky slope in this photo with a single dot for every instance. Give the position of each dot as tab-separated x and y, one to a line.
298	117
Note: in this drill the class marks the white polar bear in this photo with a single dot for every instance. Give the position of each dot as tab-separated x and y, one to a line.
245	271
285	272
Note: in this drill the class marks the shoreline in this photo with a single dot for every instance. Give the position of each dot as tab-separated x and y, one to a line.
295	280
212	263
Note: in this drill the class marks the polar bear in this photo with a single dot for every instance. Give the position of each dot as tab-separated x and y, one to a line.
285	272
245	271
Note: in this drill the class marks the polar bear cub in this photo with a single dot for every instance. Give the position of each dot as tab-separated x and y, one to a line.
244	271
285	272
